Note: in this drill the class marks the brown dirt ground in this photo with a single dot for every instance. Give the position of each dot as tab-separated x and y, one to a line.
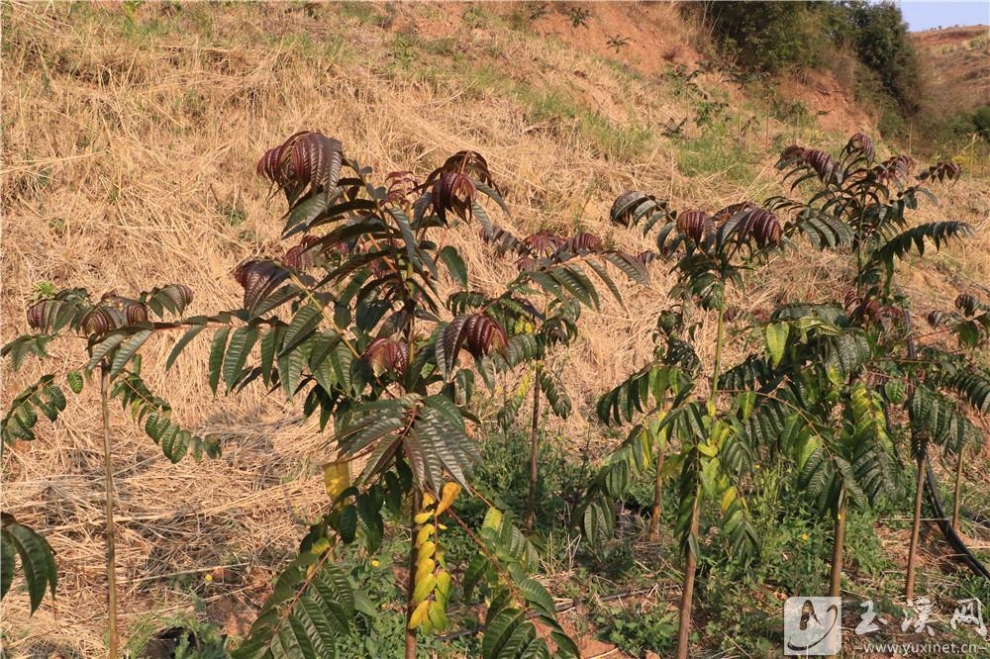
957	65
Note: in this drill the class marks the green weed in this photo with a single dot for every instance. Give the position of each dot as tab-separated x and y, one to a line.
605	138
363	12
637	629
476	17
182	636
712	154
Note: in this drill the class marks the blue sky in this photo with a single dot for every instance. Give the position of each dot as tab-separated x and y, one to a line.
925	14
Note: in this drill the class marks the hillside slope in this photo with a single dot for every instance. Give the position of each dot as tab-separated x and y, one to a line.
957	66
130	136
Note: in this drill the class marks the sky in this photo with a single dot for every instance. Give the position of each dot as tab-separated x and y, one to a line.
925	14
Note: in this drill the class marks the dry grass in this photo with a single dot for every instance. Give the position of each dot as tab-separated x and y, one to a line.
129	141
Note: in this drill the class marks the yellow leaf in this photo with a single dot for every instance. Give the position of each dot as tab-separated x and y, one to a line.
426	508
523	388
424	587
437	615
423	535
423	568
776	335
320	546
427	549
336	478
493	519
450	492
727	498
443	586
708	449
419	614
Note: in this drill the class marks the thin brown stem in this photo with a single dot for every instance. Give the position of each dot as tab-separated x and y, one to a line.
658	492
915	526
956	497
410	581
687	597
766	135
718	349
835	577
114	639
690	570
534	449
483	548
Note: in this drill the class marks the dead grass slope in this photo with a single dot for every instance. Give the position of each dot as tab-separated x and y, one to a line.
956	62
129	140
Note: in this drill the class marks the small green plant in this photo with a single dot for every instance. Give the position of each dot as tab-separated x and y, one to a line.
871	198
708	112
616	42
554	322
538	10
181	636
711	253
476	17
234	215
637	629
970	325
115	328
682	81
42	290
578	16
810	395
57	225
363	339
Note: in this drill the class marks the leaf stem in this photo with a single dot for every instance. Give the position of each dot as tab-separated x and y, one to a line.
114	639
690	570
718	348
410	647
835	576
956	498
534	448
916	522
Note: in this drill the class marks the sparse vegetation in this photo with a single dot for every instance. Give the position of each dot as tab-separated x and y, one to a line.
793	36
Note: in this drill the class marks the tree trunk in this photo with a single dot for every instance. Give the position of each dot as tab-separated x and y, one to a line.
835	578
657	495
114	640
956	497
534	450
687	597
916	525
410	581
